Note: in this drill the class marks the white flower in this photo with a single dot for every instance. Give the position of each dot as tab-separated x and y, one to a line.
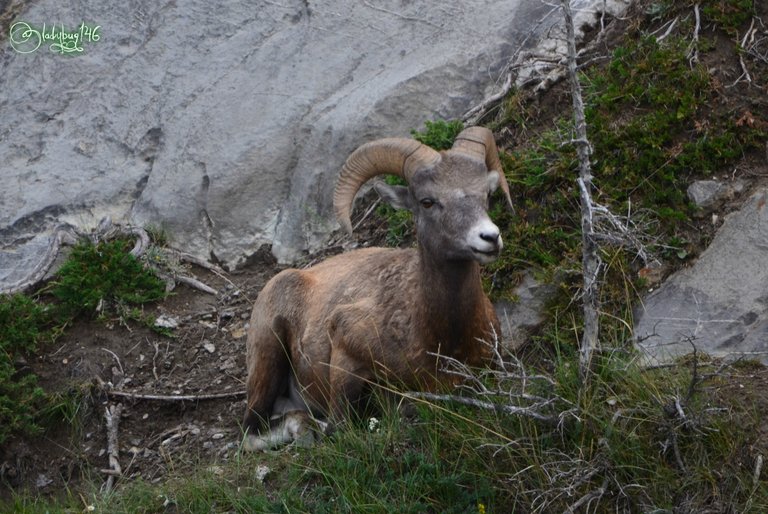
373	425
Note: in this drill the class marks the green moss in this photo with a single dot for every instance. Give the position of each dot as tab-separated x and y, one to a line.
730	15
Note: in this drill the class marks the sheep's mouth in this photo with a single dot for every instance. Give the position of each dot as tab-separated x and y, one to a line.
491	253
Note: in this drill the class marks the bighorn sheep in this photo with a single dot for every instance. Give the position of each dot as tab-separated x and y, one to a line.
318	337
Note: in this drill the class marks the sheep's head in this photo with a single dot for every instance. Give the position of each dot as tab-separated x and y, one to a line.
447	191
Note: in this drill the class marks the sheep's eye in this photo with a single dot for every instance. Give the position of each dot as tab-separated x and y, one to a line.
427	203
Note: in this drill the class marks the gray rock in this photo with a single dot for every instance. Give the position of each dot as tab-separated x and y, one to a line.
226	122
710	194
522	318
720	304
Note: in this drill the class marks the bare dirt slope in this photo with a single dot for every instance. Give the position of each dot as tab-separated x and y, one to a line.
206	356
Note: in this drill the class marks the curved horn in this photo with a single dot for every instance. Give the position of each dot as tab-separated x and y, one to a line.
391	156
479	142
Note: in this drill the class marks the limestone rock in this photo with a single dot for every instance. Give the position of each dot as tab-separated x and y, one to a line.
710	194
522	318
720	303
225	123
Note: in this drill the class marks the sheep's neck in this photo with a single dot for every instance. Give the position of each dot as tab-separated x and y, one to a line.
453	303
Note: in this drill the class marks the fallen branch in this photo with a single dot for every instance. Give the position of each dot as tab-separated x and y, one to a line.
174	397
186	257
191	282
196	284
507	409
589	497
693	49
669	30
216	270
112	416
142	240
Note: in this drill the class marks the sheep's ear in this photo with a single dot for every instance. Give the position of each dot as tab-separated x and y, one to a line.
397	196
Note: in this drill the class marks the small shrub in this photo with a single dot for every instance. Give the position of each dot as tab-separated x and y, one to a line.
101	276
23	324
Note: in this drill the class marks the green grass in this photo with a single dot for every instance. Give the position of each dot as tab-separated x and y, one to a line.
619	433
24	326
438	134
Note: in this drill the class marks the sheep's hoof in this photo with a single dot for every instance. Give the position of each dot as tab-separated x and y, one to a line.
296	427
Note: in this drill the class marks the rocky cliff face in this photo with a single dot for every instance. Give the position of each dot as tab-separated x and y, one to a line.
226	122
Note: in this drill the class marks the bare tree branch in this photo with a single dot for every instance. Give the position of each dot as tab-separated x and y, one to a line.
112	416
175	397
590	257
507	409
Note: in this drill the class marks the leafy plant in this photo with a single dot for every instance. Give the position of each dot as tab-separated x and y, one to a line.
100	276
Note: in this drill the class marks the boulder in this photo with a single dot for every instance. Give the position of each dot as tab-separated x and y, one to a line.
522	318
720	303
708	195
224	123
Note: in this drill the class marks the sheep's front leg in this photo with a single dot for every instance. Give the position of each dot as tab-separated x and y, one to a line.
351	366
349	385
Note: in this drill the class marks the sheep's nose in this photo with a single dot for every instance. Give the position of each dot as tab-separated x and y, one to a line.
490	236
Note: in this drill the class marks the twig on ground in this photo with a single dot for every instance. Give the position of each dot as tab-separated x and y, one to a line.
142	240
509	393
693	48
191	282
590	257
668	31
216	270
507	409
589	497
186	257
117	359
196	284
112	416
154	360
174	397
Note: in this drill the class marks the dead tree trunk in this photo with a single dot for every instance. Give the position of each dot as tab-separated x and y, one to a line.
590	256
